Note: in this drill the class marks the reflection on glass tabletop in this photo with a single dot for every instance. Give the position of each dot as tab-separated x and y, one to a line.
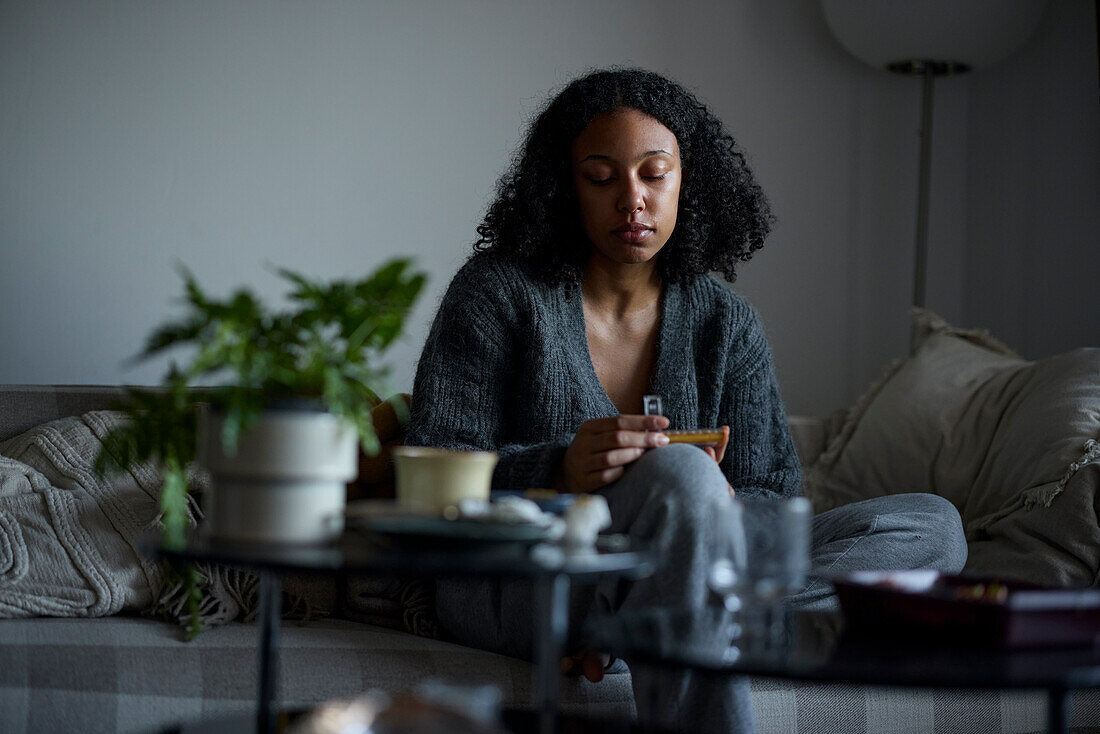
816	646
613	555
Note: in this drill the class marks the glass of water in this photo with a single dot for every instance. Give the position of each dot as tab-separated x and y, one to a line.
763	557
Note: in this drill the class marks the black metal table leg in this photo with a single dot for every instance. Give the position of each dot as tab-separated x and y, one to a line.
271	594
553	606
1057	711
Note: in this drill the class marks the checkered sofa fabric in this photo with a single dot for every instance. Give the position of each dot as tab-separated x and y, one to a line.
127	674
811	708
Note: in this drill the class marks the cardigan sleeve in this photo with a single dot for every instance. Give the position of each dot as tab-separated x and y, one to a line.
760	459
464	379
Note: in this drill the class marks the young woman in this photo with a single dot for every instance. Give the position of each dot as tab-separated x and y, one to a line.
590	288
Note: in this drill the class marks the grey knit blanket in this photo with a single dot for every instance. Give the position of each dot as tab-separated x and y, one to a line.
71	543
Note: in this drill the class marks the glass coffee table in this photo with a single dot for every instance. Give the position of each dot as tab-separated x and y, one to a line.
814	646
551	568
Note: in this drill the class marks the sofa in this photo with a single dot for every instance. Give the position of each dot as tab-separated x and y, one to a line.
79	650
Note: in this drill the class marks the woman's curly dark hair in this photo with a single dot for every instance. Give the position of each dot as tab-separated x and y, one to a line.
723	215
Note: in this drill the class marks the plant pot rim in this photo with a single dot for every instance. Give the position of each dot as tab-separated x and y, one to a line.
280	404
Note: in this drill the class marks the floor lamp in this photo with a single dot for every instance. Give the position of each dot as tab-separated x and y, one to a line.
930	38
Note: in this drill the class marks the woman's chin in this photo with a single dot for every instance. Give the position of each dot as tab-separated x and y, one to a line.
623	253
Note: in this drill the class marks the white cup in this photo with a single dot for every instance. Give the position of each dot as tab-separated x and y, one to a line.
431	479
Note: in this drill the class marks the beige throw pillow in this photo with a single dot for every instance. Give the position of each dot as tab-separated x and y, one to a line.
1013	444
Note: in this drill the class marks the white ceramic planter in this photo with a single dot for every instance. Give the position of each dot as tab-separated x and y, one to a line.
286	481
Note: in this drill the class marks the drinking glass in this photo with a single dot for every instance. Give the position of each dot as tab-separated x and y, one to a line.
763	557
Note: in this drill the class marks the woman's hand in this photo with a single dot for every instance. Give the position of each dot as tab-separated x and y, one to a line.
602	448
718	451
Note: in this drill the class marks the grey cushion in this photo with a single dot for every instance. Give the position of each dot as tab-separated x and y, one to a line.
1008	441
68	540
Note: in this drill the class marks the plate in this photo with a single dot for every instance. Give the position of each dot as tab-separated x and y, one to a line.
968	609
440	529
547	499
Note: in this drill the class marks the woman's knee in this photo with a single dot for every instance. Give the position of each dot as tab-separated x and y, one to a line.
936	524
679	469
680	478
944	524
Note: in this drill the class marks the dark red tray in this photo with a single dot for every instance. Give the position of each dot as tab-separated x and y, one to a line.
971	610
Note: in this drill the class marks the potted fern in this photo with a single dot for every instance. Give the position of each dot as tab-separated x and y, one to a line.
293	399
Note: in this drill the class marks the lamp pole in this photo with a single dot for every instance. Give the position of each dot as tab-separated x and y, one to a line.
928	71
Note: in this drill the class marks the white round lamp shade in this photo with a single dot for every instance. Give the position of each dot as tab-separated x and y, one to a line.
976	33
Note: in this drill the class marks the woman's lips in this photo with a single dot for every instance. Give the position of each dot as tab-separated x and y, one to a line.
632	235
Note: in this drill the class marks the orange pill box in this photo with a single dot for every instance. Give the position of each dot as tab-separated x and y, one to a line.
697	436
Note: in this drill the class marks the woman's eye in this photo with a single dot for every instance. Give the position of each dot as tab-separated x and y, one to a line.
655	178
600	181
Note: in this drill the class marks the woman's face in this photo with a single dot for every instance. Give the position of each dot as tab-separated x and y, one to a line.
626	170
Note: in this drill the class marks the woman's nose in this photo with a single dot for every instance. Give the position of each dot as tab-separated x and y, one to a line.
630	198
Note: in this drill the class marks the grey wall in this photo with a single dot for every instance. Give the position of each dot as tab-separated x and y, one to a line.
328	137
1033	190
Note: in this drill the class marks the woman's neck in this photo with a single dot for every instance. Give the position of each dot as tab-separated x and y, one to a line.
617	290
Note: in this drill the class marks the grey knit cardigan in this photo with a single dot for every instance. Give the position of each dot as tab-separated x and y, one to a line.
506	368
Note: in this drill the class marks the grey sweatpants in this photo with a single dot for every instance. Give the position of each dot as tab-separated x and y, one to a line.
668	500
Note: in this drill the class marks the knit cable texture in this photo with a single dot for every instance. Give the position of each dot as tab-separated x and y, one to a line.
506	368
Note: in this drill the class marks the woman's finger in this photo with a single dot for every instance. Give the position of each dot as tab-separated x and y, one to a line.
624	423
720	448
624	439
597	479
616	457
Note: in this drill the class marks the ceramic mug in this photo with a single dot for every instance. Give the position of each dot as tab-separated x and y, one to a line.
431	479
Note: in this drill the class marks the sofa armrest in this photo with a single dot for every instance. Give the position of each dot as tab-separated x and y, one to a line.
809	436
376	478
